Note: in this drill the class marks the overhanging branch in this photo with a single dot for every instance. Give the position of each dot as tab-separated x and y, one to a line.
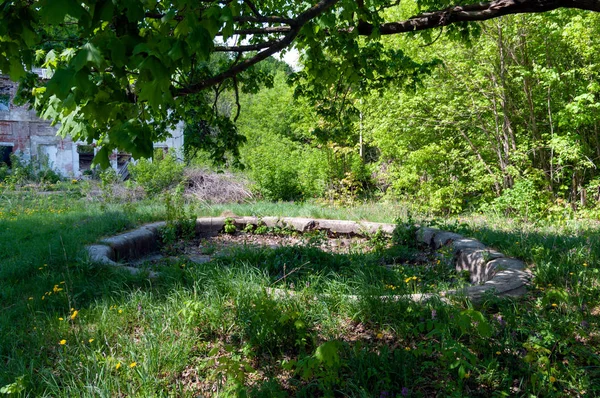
475	12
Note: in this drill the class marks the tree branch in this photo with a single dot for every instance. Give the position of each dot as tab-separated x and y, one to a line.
300	21
248	47
475	12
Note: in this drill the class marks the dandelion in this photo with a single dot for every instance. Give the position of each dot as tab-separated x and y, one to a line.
552	379
498	352
61	319
554	305
407	348
74	314
118	365
90	340
133	364
380	335
120	311
585	264
408	279
63	342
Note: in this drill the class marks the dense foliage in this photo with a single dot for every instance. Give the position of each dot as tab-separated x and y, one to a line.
507	123
123	72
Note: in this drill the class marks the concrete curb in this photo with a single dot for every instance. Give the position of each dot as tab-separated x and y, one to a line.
490	271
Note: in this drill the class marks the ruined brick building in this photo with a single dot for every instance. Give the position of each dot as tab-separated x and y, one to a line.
35	140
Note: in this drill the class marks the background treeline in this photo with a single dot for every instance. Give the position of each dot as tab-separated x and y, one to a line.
508	122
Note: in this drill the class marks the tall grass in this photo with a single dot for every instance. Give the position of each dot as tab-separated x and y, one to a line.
70	328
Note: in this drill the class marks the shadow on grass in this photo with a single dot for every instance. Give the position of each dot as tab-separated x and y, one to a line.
43	275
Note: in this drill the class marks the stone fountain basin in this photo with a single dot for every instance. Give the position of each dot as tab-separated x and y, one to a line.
490	271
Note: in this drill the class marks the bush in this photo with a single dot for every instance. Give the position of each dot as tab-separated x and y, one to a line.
159	174
526	199
273	167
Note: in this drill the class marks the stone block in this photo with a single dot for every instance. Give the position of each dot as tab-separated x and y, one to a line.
442	238
459	245
425	235
501	264
476	262
133	244
340	226
300	224
209	225
101	254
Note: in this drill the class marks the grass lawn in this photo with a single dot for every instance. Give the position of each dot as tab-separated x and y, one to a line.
70	328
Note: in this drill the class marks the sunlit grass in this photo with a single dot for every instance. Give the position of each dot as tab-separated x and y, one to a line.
69	328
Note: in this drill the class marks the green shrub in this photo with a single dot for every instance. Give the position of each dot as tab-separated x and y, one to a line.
273	169
526	199
159	174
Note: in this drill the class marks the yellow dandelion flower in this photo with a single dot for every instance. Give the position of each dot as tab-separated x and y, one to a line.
43	297
552	379
554	305
90	340
63	342
585	264
498	352
408	279
74	314
118	365
379	335
133	364
61	319
120	311
407	348
570	273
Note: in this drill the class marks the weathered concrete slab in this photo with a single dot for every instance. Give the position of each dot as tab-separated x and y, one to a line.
425	235
506	263
132	244
300	224
500	276
443	238
209	225
476	262
101	254
461	244
373	227
340	226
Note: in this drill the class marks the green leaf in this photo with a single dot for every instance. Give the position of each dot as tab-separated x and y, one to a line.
61	83
327	354
87	54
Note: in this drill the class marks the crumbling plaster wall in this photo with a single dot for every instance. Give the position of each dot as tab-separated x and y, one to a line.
35	140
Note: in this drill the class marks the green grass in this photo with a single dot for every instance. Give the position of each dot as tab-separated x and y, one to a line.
213	329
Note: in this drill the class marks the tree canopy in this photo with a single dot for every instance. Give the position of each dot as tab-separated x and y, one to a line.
123	71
